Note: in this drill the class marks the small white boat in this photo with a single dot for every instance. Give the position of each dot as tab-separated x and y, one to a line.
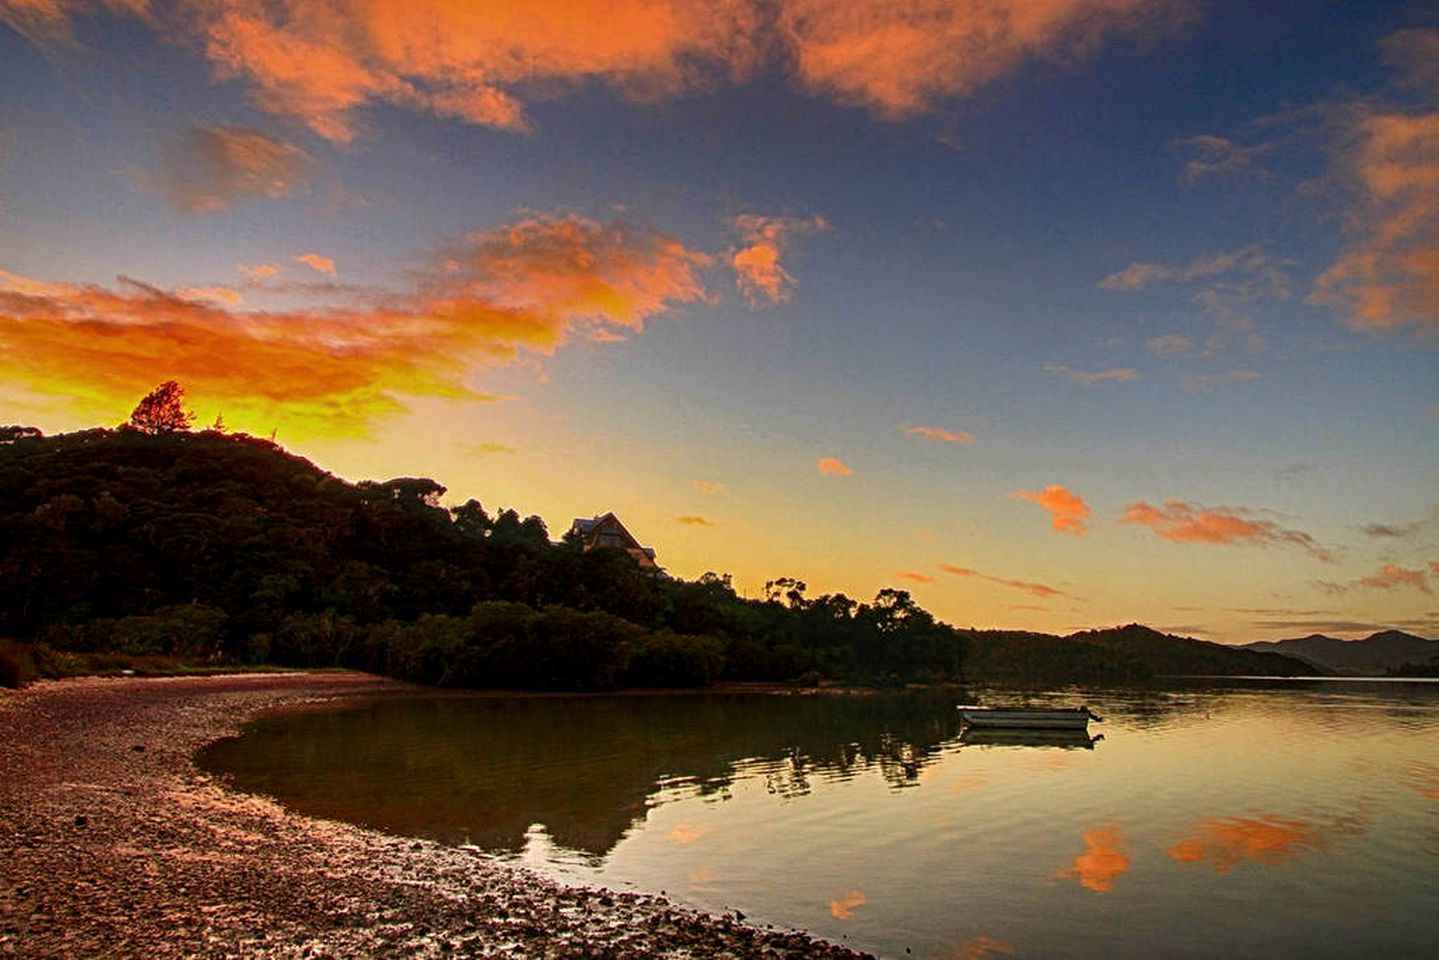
1029	718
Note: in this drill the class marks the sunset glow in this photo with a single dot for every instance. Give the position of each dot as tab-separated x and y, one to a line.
1132	307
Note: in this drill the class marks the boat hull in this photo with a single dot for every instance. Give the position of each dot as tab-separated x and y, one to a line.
1077	719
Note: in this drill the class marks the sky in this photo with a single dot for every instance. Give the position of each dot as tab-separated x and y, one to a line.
1056	313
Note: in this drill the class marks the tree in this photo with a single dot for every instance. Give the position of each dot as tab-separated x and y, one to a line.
162	410
471	520
15	433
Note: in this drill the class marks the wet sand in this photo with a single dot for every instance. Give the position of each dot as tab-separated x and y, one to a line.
113	844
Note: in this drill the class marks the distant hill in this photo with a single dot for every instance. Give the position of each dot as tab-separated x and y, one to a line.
1375	655
1116	655
1165	653
1019	656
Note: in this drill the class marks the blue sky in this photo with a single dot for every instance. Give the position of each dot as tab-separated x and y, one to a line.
1111	310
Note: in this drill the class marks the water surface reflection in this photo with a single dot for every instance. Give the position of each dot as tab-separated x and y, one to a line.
482	770
872	819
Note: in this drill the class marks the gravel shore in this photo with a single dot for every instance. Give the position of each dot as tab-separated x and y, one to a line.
113	844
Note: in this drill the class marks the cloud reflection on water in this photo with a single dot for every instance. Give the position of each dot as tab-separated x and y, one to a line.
978	948
1226	842
1422	778
684	833
1105	858
844	906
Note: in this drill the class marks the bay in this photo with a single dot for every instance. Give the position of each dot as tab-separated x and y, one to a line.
1237	818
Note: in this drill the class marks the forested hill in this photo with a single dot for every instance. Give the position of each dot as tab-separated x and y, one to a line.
119	523
1125	654
227	548
1170	655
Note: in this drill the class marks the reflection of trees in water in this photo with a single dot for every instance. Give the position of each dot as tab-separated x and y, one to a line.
482	769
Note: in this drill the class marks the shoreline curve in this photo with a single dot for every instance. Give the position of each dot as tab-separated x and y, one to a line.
113	843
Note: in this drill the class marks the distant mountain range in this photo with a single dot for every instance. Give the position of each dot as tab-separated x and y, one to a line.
1165	653
1116	654
1376	655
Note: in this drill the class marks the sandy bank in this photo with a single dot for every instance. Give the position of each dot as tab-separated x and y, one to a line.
113	844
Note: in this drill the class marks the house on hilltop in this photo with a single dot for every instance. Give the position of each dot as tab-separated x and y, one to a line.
607	531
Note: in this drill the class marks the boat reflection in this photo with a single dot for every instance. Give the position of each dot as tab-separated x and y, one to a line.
1020	737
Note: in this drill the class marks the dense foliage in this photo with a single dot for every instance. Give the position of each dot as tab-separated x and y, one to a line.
155	542
225	548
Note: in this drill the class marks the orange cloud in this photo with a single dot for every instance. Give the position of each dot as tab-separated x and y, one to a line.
916	576
317	263
902	59
1105	858
1037	589
1183	522
1098	378
1392	576
1067	508
210	168
226	295
834	468
756	265
694	521
526	287
844	906
572	269
1228	842
1388	276
705	486
940	434
259	273
321	64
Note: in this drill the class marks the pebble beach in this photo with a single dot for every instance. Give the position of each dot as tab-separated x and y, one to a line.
114	844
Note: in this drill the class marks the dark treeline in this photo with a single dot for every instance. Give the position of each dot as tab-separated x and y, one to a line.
210	547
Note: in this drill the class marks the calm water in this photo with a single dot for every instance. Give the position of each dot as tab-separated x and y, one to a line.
1256	820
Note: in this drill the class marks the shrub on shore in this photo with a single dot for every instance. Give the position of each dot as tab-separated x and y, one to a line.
17	667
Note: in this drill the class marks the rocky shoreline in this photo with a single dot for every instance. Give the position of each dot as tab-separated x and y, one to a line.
113	844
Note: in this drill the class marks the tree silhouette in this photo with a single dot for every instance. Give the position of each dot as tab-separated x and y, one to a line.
162	410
